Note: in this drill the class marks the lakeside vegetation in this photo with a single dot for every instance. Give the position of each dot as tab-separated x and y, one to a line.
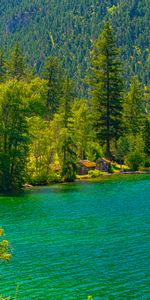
43	124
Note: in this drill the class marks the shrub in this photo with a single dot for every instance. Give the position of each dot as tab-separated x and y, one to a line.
39	178
53	177
147	162
135	160
4	248
110	168
94	173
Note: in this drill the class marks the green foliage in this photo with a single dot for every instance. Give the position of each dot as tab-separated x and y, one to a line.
110	168
135	160
135	156
147	162
17	99
45	129
54	176
2	66
13	135
83	131
105	80
73	27
4	248
38	178
122	149
146	137
68	148
94	173
94	150
52	72
16	64
134	107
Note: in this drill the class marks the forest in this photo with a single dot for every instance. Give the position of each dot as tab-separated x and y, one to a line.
46	128
68	29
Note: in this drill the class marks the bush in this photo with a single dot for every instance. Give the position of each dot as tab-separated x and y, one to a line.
147	162
135	160
39	178
4	248
110	168
53	177
94	173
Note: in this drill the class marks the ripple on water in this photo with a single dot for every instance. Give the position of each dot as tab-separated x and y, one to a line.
79	239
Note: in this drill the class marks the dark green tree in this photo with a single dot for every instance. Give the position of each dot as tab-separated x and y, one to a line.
2	66
52	72
147	137
134	105
68	149
106	82
16	67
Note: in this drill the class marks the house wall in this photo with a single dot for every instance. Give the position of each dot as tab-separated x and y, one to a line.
102	166
83	170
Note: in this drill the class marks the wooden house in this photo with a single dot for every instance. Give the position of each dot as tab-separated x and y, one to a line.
102	164
84	166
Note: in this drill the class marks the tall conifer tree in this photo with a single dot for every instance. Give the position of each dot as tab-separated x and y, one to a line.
68	145
134	107
16	65
106	81
2	66
52	72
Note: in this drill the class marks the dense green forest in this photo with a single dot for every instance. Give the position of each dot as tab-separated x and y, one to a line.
68	29
45	129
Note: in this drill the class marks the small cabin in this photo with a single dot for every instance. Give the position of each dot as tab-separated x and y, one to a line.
84	166
102	164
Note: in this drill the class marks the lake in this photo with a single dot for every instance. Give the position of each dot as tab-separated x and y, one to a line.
74	240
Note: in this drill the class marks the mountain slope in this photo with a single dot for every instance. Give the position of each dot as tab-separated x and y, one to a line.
68	28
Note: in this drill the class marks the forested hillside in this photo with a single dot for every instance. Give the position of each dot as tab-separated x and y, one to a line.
68	28
46	129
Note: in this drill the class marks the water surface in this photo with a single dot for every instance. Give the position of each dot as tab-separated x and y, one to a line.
75	240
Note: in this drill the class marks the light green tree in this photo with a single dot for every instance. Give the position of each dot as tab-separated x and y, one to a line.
18	100
4	248
134	105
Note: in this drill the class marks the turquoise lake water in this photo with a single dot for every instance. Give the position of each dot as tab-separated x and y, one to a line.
80	239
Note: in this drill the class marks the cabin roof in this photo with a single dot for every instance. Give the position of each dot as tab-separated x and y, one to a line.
104	159
87	163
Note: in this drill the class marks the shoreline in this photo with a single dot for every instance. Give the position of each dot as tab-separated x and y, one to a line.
86	177
79	179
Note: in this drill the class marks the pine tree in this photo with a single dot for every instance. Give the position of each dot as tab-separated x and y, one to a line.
52	72
68	146
133	114
146	136
16	65
106	82
147	120
2	66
